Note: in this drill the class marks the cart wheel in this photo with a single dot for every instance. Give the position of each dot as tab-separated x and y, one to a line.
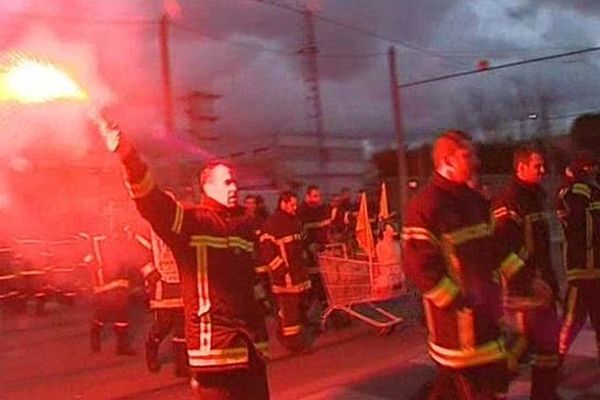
386	330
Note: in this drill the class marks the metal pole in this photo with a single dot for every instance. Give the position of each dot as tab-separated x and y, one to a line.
400	150
166	74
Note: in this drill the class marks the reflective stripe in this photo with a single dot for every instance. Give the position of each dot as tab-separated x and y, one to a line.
143	241
275	263
567	327
32	272
147	269
511	265
121	324
167	303
216	357
469	233
262	269
505	212
118	283
140	189
466	329
8	295
7	277
291	330
417	233
442	294
178	220
298	288
581	189
221	242
489	352
203	300
583	274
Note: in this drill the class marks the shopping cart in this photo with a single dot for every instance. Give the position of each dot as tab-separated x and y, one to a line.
354	286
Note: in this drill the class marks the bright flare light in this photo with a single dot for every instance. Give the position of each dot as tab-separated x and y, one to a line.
26	80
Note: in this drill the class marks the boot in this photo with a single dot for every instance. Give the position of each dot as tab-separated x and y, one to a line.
123	347
95	338
152	361
182	369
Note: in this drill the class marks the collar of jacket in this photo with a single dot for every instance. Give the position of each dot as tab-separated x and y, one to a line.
448	185
534	187
213	205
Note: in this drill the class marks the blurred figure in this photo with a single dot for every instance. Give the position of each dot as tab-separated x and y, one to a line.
389	259
261	208
523	227
30	262
316	223
447	229
580	217
112	260
166	303
281	248
9	281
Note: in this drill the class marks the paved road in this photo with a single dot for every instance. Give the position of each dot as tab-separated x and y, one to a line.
48	358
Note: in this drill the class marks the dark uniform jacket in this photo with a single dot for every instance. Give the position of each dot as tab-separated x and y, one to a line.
213	249
162	275
523	225
579	212
451	255
316	222
282	249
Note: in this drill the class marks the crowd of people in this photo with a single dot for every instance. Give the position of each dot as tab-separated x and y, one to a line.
485	268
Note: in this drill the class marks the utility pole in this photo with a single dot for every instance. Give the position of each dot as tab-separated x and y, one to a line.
314	110
166	75
400	149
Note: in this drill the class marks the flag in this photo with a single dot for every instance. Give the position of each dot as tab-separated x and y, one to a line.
364	235
384	211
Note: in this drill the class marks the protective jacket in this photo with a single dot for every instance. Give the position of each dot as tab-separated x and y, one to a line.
213	249
447	230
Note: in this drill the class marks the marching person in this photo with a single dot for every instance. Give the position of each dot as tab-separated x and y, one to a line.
282	249
579	212
212	245
315	217
447	229
166	304
111	260
523	225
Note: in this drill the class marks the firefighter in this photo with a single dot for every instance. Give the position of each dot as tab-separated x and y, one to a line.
166	303
30	263
282	249
110	263
523	225
213	246
579	212
9	286
315	217
447	229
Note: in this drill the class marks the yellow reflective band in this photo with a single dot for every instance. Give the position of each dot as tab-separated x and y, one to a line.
167	303
469	233
289	238
222	242
583	274
140	189
466	329
457	358
8	295
298	288
443	293
511	265
276	263
582	189
417	233
147	269
7	277
178	220
291	330
32	272
119	283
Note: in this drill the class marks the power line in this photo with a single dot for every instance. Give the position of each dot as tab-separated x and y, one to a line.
359	29
501	66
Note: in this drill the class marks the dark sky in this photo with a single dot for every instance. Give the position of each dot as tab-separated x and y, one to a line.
245	50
